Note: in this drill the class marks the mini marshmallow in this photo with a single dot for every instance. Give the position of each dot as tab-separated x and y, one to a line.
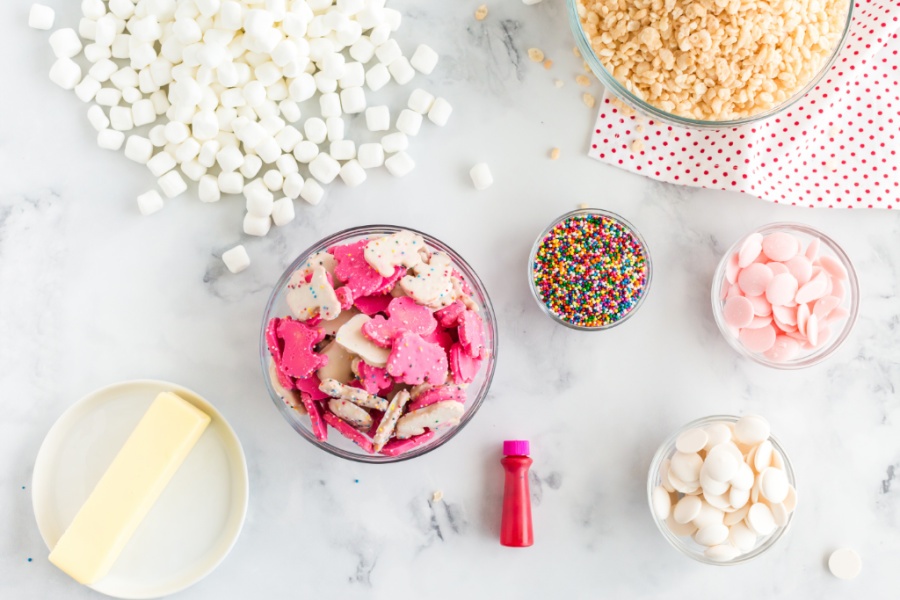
268	150
286	164
259	198
87	29
120	118
343	149
96	52
440	112
312	192
65	43
208	189
123	9
160	102
251	167
65	73
177	132
424	59
236	259
293	183
193	170
97	118
401	70
305	151
324	83
207	156
409	122
121	46
272	124
87	89
258	226
335	126
399	164
273	180
172	184
370	155
395	142
481	176
143	113
354	75
41	17
388	52
420	101
352	173
157	135
229	158
288	138
392	18
378	118
139	149
149	202
231	182
124	77
109	139
290	110
377	77
205	125
93	9
105	30
283	212
362	50
302	87
103	69
353	100
161	163
380	34
131	95
330	105
316	130
187	150
324	168
108	97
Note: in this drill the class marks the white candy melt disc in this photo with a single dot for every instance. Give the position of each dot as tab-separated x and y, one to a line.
845	563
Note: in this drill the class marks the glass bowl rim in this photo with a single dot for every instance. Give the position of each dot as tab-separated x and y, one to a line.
489	317
666	447
621	92
813	358
583	212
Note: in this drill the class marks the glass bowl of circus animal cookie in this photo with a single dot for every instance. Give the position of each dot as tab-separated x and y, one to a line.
378	344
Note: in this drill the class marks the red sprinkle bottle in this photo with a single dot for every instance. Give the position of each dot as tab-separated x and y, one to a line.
515	526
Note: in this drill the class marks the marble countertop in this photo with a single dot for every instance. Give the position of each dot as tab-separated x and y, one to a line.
91	293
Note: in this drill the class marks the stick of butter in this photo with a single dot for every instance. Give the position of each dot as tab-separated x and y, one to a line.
131	485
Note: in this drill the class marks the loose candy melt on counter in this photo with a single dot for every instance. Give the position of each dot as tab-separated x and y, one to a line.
845	563
384	367
781	299
590	270
724	486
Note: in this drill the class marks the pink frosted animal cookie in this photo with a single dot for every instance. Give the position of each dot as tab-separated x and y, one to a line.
471	333
299	360
290	397
345	297
433	416
388	422
347	430
400	249
338	390
374	380
372	305
353	269
396	447
447	316
432	282
316	412
404	314
314	299
442	337
310	386
439	394
463	366
413	361
388	283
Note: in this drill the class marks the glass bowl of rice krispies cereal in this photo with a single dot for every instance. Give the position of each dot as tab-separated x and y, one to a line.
710	63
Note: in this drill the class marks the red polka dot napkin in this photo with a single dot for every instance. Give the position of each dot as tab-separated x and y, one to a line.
836	148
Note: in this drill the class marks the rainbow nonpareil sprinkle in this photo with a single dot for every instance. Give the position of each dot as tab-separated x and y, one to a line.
590	270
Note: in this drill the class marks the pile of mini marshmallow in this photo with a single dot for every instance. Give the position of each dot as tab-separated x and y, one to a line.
230	78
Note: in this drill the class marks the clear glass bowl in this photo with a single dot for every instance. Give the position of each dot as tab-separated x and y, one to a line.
577	213
850	302
687	545
476	391
621	92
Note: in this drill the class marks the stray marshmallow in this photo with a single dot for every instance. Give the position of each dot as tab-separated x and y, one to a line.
161	163
316	130
335	127
41	17
283	212
401	71
172	184
399	164
395	142
65	43
388	52
110	139
378	118
424	60
420	101
353	100
208	189
236	259
149	202
139	149
324	168
352	173
258	226
481	176
409	122
65	73
97	118
377	77
121	118
273	180
305	151
293	183
370	155
312	192
440	112
343	150
87	89
330	105
231	182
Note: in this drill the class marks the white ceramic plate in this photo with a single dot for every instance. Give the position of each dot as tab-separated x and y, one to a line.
196	520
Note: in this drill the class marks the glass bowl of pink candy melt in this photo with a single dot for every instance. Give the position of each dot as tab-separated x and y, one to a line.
785	295
378	344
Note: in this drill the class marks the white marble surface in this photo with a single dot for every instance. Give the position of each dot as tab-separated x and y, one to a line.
91	293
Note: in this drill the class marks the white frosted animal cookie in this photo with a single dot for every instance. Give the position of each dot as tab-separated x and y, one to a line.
389	421
351	413
290	397
316	298
432	284
351	337
319	259
338	390
331	327
434	416
386	253
338	365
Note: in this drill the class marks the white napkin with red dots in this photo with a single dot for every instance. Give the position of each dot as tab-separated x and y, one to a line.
838	147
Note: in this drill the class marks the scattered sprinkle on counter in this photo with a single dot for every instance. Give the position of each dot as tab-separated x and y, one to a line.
590	270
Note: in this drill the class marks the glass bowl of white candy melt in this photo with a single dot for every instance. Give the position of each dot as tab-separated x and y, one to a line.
378	344
785	295
722	489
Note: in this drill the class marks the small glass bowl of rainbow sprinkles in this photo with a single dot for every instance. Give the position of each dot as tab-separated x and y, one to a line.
590	270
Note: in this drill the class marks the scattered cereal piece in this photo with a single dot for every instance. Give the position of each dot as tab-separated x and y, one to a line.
639	128
588	100
554	153
582	81
536	54
576	52
583	206
548	64
637	146
437	496
558	83
586	67
481	12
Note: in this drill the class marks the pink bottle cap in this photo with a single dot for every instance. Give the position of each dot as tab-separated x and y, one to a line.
516	448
